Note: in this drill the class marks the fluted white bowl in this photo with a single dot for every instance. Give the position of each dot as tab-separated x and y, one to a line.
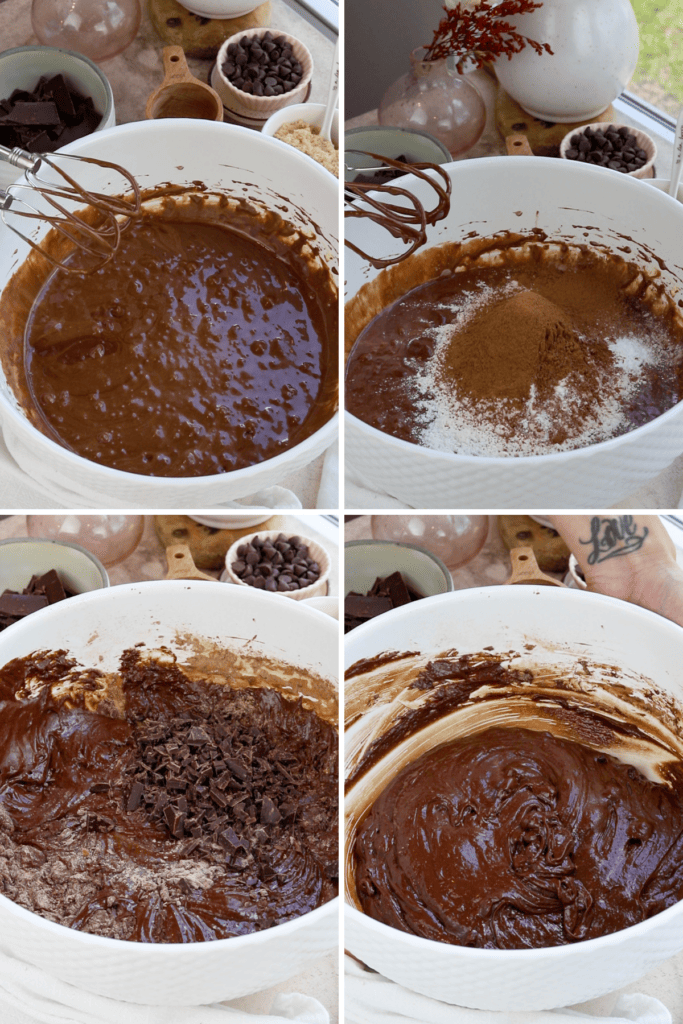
95	628
565	626
572	202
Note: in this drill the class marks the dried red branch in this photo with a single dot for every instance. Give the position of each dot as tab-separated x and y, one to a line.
482	34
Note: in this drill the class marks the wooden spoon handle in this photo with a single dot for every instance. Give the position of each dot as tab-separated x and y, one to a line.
181	565
525	569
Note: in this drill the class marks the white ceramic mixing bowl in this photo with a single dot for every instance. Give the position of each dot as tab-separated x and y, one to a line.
181	151
565	626
101	625
569	201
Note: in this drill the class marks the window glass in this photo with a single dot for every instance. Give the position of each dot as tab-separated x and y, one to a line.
659	76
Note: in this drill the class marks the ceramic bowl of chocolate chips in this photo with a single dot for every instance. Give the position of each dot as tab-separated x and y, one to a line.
168	793
279	563
514	796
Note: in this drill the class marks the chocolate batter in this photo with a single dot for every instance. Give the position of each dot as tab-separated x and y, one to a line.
172	811
199	349
512	838
542	349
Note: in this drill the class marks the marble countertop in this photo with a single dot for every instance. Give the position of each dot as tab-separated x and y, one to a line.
491	567
148	562
134	75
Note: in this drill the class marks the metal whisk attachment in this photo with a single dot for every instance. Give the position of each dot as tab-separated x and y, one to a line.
408	219
98	240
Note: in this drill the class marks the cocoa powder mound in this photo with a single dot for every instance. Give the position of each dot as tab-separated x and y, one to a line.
522	340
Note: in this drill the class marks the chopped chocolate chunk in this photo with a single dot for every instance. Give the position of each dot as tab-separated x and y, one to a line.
386	593
135	797
19	605
47	117
368	607
269	812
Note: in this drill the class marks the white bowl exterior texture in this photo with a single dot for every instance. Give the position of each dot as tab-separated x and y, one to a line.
317	551
565	625
565	200
20	68
23	557
157	614
181	151
364	561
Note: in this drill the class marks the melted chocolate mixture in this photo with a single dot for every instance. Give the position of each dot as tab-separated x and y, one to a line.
512	838
200	813
197	350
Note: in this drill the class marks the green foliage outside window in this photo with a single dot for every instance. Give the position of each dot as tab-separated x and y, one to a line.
659	75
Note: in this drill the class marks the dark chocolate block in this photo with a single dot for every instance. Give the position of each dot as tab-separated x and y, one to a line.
359	607
19	605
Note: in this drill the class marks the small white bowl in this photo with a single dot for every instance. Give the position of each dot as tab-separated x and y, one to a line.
23	557
311	113
259	108
220	8
663	185
233	522
23	66
317	589
644	142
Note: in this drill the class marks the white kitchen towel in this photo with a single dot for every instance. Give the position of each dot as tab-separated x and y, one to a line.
328	492
372	999
27	482
30	996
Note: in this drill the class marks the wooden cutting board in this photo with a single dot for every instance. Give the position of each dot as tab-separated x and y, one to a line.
207	544
200	37
552	554
544	136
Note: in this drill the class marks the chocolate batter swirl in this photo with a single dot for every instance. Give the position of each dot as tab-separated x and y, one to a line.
514	839
177	811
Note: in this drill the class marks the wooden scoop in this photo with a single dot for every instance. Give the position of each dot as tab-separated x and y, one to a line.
181	565
525	570
181	94
518	145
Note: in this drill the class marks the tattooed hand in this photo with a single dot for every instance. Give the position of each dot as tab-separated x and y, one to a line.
629	556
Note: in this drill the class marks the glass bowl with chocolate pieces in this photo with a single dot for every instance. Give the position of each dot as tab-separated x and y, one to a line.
279	563
169	834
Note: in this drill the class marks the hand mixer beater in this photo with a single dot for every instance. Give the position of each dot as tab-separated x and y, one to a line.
64	199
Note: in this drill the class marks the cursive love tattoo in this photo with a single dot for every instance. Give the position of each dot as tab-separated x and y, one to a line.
613	537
